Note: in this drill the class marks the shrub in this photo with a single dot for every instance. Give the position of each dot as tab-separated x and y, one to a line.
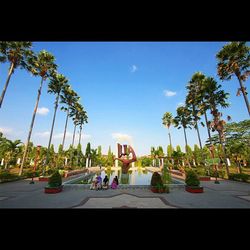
156	179
5	175
192	179
239	177
55	180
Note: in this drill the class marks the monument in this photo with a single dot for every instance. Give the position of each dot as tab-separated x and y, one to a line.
123	156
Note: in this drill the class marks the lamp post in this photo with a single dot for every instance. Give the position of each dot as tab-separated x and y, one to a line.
36	159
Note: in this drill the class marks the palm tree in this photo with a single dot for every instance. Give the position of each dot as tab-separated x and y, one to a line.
83	118
68	97
183	119
215	97
41	65
167	120
16	53
195	112
55	86
234	59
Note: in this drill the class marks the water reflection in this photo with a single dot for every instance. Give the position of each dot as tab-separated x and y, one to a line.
135	176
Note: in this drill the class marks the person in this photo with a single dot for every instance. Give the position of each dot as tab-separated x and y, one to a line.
105	182
94	184
99	182
115	183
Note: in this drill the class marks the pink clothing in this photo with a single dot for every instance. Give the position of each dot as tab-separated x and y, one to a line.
114	185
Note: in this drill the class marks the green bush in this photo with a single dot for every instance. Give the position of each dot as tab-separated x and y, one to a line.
156	179
5	175
221	173
192	178
239	177
55	180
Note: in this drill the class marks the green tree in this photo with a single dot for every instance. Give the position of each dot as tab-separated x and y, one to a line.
216	97
16	54
167	120
183	119
55	86
68	98
234	59
88	152
41	65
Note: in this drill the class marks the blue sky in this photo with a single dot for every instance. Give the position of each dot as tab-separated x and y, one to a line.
125	87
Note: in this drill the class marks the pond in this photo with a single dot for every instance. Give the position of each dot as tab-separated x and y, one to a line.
136	176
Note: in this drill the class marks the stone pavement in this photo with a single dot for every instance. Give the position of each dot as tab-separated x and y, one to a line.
227	194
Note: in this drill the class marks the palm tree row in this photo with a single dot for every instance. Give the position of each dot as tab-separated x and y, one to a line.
19	54
205	94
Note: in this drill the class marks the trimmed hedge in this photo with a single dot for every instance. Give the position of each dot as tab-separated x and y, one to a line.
192	179
239	177
55	180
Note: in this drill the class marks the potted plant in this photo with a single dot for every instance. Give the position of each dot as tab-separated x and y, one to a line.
54	184
157	185
193	182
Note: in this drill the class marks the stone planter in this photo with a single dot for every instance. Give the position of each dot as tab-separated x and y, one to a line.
53	190
194	189
204	178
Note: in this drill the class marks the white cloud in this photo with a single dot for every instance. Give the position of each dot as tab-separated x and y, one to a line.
122	137
42	111
133	68
42	134
86	136
6	130
169	93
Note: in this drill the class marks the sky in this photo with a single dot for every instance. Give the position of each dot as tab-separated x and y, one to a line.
125	87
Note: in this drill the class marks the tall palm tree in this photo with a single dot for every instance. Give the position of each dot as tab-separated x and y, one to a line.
196	97
16	53
75	113
234	59
41	65
195	112
55	86
83	118
183	119
216	97
167	120
68	97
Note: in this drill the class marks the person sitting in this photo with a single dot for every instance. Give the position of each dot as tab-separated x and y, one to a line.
115	183
99	182
105	182
93	185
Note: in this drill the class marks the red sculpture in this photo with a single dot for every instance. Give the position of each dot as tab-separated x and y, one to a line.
123	157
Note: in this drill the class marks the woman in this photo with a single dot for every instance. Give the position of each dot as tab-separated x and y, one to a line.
114	183
105	182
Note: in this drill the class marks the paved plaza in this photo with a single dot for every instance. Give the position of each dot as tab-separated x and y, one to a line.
227	194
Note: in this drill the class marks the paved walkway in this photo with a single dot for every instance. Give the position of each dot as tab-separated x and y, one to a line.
227	194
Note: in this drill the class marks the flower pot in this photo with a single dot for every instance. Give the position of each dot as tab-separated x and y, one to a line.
194	189
53	190
154	189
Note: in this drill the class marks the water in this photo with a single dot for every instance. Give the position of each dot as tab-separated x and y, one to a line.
136	176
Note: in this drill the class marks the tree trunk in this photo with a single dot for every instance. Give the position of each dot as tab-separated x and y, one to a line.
170	138
208	129
31	128
80	134
65	128
6	84
185	138
198	133
224	153
74	137
244	94
52	127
